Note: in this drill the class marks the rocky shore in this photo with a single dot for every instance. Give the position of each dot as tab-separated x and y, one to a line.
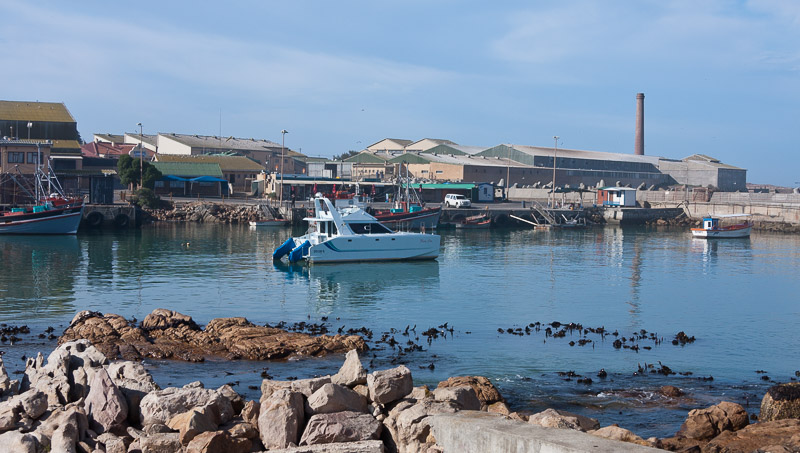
81	399
208	212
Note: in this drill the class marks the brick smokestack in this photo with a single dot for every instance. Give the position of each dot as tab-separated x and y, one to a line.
638	147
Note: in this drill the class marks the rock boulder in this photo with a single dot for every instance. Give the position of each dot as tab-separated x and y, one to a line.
340	427
281	419
780	402
705	424
336	398
389	385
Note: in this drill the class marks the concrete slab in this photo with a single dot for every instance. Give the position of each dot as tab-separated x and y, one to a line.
478	432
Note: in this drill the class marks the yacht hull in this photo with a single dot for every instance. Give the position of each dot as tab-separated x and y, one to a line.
375	247
60	221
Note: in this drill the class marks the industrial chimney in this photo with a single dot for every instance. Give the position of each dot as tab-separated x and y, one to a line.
638	147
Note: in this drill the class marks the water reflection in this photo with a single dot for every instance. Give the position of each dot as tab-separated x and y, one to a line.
361	283
37	274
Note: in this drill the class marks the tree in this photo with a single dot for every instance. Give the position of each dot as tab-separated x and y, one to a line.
128	170
344	156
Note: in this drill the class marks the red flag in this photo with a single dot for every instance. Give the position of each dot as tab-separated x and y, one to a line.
334	188
373	189
315	188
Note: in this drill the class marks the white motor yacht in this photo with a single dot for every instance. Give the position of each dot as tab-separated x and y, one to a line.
350	234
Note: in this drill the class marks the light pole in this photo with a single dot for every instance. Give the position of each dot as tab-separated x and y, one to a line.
30	125
141	164
555	154
283	141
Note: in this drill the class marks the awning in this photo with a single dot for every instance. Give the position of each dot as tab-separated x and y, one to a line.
197	179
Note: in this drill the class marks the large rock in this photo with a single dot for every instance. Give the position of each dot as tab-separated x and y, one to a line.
250	412
486	391
237	402
614	432
218	442
305	386
352	372
390	385
759	436
280	419
191	423
408	427
105	404
165	334
704	424
552	418
17	442
340	427
112	443
133	380
160	443
781	401
160	406
31	404
336	398
463	396
64	427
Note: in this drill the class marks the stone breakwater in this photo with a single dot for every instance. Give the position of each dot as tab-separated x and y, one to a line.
79	401
208	213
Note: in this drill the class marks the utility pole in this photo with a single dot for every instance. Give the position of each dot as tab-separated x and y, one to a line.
283	147
553	189
141	155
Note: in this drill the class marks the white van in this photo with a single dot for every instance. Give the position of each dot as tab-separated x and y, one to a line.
454	200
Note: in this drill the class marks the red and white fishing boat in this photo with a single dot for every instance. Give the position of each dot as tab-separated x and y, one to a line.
49	212
713	228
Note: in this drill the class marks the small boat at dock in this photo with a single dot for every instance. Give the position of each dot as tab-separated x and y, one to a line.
476	222
269	223
713	228
351	234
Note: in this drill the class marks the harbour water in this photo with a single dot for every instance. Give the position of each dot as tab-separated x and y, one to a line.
738	298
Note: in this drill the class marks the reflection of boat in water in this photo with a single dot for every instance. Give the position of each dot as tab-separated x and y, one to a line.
350	234
269	223
714	228
363	280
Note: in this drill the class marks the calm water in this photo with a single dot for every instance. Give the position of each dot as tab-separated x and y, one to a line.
737	297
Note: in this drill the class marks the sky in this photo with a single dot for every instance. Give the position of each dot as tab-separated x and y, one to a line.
720	78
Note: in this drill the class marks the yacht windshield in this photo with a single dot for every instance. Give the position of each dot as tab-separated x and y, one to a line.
368	228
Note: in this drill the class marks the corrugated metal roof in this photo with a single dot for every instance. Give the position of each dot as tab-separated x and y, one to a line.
230	143
367	157
455	149
67	144
226	163
113	138
193	169
54	112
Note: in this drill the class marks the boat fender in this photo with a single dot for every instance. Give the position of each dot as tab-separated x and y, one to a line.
121	220
281	251
299	252
95	219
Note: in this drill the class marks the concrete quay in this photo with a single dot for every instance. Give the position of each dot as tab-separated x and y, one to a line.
480	432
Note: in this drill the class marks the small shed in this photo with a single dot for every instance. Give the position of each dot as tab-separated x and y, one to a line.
616	196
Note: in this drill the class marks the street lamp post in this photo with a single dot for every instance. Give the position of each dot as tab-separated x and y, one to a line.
553	189
141	154
283	141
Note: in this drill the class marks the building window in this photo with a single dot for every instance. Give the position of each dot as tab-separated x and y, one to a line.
16	158
33	158
159	184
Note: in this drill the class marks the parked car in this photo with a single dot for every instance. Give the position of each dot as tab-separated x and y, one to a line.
454	200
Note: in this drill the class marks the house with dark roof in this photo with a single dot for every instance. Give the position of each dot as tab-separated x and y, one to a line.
44	121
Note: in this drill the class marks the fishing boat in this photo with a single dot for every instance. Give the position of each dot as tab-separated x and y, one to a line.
351	234
408	211
713	228
476	222
50	211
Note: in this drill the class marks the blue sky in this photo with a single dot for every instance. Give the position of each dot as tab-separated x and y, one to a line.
720	77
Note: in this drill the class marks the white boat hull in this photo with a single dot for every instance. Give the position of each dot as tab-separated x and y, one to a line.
709	234
375	247
66	223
